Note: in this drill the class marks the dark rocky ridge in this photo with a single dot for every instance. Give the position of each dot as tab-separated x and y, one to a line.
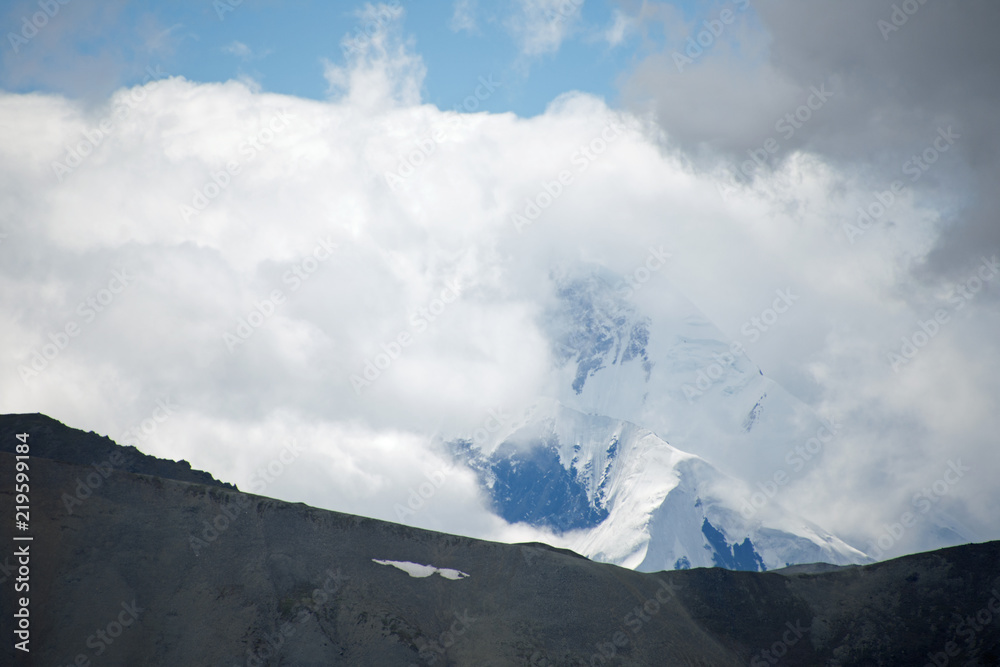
223	601
52	439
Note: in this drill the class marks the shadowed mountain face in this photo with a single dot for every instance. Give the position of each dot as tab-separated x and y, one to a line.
152	570
634	500
533	487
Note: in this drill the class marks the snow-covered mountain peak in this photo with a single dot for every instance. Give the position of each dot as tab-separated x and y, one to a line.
670	370
633	457
593	326
621	494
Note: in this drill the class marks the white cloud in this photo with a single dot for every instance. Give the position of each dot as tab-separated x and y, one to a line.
322	174
541	26
164	40
239	49
464	16
621	25
244	52
381	66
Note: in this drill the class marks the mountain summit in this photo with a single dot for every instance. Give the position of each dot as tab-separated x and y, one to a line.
622	495
614	461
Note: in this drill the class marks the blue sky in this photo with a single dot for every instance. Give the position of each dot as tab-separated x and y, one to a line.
282	47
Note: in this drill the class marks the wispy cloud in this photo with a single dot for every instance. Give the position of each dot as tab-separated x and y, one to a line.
244	52
619	28
541	26
381	66
463	17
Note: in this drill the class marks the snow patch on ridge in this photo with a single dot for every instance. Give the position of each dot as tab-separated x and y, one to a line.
419	571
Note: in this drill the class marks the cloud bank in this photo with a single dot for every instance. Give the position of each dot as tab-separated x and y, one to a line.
247	256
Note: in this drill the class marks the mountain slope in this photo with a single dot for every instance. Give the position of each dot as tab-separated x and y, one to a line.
625	496
674	373
591	460
120	581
